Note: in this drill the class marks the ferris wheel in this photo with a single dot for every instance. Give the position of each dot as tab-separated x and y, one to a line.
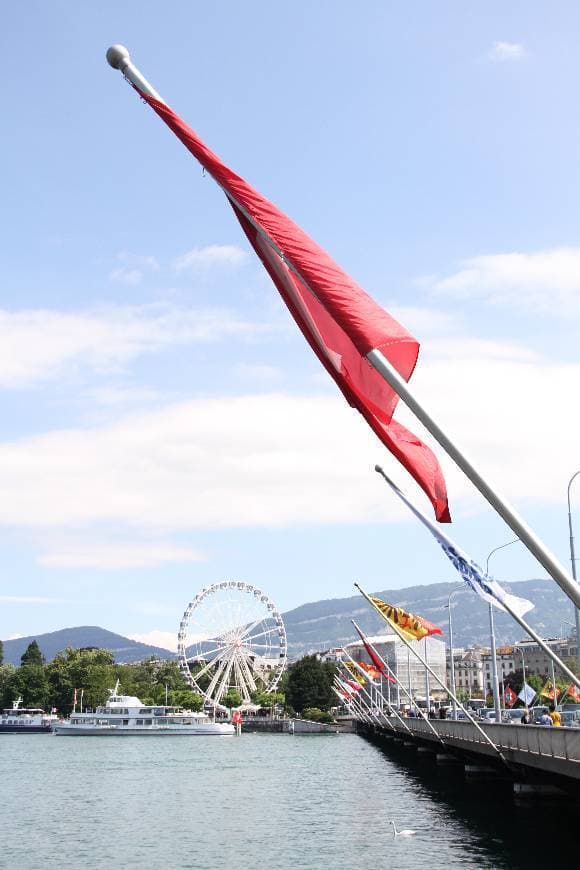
231	636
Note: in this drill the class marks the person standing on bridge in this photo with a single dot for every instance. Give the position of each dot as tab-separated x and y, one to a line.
545	719
555	717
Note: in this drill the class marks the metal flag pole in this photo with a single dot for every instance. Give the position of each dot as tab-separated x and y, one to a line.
343	700
370	707
541	643
359	698
554	687
501	602
119	58
494	674
358	704
506	512
440	682
427	687
573	563
362	673
451	659
394	676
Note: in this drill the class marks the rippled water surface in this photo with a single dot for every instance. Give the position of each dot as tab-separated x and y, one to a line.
258	801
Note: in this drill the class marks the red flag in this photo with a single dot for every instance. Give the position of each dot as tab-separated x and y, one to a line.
374	657
509	696
356	686
341	323
574	692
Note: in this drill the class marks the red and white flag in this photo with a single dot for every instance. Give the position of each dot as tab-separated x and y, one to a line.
509	696
341	323
374	656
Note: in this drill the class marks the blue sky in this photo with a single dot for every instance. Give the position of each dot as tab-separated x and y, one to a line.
164	425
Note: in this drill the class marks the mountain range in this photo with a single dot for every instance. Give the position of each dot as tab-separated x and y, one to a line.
320	625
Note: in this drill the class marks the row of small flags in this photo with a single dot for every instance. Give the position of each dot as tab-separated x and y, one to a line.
527	694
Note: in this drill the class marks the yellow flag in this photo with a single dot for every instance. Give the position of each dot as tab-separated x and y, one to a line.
355	673
411	627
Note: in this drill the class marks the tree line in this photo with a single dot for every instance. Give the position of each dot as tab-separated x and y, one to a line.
305	688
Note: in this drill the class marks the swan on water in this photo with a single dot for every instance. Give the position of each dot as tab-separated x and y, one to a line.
406	833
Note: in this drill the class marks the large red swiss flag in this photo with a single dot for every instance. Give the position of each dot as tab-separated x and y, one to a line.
339	320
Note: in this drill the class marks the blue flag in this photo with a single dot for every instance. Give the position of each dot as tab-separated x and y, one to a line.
475	577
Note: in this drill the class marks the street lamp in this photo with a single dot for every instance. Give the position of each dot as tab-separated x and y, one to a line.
495	682
521	652
573	561
460	588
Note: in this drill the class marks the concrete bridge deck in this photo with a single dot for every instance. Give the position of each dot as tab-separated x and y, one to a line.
533	753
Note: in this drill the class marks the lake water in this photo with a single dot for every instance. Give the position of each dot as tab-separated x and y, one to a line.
259	801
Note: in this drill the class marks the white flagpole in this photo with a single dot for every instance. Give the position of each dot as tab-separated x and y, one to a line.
358	697
119	58
506	512
357	704
418	655
361	671
369	707
395	677
504	602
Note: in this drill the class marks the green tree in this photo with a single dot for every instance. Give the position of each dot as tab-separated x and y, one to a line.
1	653
316	715
30	682
187	699
309	684
32	655
232	698
7	688
89	670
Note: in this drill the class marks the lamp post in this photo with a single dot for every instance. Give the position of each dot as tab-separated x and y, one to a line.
452	662
521	652
495	682
573	561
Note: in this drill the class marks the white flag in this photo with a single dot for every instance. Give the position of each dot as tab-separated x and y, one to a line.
527	694
475	577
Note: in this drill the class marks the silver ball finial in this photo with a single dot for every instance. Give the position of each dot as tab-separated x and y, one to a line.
118	56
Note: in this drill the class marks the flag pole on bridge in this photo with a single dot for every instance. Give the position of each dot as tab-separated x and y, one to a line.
366	677
408	449
435	676
395	677
480	582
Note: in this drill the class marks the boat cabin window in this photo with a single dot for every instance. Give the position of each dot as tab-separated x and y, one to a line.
148	721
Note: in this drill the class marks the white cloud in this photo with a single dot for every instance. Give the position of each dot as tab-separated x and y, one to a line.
274	460
502	51
27	599
257	373
118	396
124	275
134	267
117	556
425	321
210	257
164	639
36	345
545	281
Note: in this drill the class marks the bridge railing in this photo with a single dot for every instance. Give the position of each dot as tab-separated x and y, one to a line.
536	739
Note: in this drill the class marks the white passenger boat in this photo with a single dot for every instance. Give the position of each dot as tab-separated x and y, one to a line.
26	720
127	716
